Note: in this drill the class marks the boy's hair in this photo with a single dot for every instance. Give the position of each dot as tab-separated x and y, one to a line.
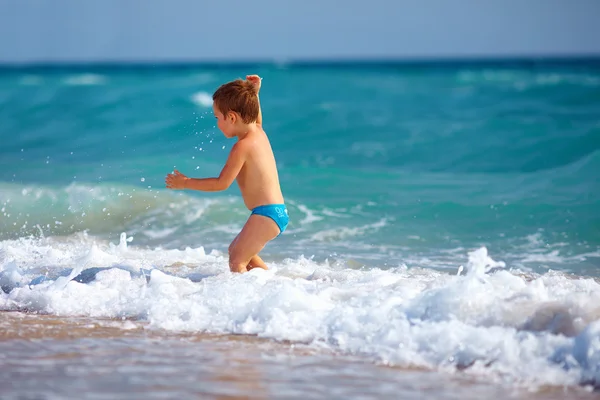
238	96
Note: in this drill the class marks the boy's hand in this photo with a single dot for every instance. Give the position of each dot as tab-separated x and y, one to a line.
176	180
255	80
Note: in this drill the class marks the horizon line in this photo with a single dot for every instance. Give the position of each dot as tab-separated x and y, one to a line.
308	61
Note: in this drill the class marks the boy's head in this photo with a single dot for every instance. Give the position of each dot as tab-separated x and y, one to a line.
236	102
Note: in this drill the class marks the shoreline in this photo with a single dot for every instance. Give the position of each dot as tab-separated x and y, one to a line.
237	364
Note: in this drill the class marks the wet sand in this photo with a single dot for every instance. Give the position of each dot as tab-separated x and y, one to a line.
49	357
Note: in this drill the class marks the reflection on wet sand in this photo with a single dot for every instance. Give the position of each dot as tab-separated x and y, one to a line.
43	355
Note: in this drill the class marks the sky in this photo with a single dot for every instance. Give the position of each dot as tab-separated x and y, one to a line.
207	30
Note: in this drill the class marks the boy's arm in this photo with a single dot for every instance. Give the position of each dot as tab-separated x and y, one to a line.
257	82
232	167
259	119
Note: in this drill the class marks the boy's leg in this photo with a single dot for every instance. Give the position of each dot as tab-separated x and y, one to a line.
255	261
257	232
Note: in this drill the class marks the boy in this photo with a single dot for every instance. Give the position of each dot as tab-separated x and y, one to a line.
251	162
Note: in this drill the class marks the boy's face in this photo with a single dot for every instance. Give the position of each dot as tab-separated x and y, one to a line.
224	124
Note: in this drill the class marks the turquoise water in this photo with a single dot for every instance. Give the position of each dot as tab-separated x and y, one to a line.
444	217
382	165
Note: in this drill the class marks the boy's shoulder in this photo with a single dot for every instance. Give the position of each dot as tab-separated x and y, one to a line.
244	145
258	133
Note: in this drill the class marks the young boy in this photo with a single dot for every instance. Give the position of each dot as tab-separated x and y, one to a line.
251	162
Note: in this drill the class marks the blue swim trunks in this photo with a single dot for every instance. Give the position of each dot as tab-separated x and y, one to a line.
277	212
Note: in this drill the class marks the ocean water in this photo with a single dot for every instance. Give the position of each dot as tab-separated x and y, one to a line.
443	217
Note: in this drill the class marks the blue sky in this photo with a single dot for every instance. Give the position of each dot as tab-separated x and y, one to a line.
204	30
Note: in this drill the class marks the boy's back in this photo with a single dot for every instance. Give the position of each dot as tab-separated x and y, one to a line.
258	179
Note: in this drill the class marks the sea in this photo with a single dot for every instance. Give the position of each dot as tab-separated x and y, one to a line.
444	236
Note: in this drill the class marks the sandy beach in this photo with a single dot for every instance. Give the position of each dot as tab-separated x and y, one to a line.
49	357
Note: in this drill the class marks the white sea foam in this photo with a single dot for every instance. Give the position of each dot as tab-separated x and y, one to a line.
31	80
489	322
345	232
310	216
85	80
202	99
526	80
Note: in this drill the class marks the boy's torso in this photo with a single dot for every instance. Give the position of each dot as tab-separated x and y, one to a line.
258	179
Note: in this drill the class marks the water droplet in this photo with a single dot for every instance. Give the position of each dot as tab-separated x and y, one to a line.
143	179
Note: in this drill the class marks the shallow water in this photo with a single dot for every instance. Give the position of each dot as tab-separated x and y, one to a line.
47	357
484	321
444	236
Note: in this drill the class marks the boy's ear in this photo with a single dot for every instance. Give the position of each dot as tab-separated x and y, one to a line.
235	117
231	116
